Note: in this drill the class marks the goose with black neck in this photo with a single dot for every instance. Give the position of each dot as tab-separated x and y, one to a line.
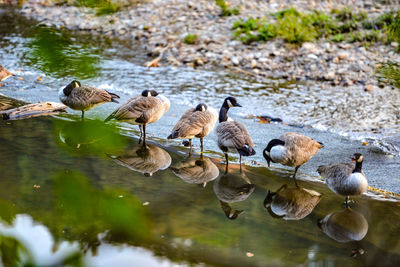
233	135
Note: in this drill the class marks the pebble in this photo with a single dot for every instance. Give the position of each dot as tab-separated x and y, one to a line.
235	61
154	23
343	55
312	56
369	88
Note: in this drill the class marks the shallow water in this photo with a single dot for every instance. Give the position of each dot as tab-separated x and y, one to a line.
84	191
119	67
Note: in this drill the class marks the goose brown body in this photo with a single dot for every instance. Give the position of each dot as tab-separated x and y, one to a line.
338	179
291	149
195	123
232	135
141	110
299	148
84	98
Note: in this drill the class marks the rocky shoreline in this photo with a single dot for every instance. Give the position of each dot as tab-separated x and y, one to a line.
161	26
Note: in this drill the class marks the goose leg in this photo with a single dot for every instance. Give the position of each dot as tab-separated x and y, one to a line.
347	201
83	115
240	162
201	144
144	134
294	175
141	133
226	163
190	147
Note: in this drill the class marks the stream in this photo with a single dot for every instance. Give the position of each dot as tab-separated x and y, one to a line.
74	191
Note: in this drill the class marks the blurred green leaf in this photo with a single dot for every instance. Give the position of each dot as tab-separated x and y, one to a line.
87	212
13	253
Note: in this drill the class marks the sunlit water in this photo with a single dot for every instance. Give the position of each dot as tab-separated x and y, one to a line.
80	191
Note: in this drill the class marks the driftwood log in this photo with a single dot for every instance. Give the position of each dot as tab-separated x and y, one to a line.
33	110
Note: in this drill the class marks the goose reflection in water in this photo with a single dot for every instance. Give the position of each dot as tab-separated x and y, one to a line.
344	226
77	134
230	188
196	170
291	203
146	159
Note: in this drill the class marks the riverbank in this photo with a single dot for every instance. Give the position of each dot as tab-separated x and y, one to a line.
161	26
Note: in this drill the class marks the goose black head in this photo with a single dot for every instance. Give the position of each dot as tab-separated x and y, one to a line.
68	89
146	93
230	102
358	157
267	150
201	107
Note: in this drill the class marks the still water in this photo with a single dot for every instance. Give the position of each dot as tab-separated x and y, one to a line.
86	193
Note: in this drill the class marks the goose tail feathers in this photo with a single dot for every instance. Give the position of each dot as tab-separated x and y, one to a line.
173	135
321	169
109	117
113	97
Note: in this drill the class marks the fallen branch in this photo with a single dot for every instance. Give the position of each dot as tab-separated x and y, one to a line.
154	62
33	110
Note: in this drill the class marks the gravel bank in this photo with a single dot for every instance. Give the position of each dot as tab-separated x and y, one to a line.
158	23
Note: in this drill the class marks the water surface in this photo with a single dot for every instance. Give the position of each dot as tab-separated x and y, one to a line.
86	192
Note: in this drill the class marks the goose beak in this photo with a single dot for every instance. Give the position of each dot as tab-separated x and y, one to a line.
238	105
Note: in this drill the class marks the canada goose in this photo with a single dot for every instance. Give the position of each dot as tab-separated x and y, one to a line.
4	73
230	188
345	179
146	159
84	98
291	149
344	226
232	135
291	203
196	170
143	109
196	122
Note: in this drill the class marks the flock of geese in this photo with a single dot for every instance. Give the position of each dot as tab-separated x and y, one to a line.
290	149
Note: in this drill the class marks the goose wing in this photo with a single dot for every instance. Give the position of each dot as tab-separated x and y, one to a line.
192	123
92	95
233	134
336	171
138	108
302	147
300	141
